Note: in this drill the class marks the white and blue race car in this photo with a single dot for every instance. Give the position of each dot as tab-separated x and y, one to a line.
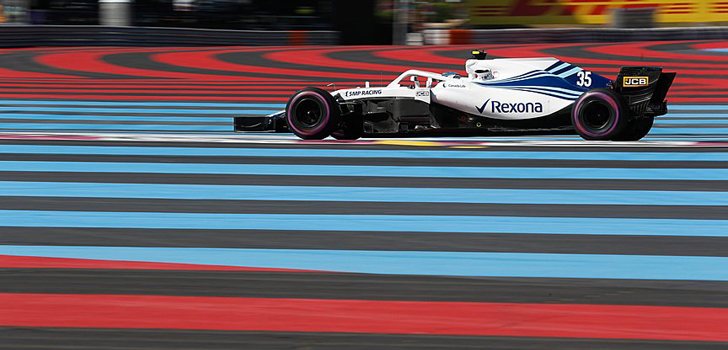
496	97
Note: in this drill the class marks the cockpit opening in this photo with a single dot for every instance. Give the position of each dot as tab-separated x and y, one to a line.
483	74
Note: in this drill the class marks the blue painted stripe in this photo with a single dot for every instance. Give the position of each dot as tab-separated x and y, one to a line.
219	128
686	139
132	110
676	114
474	264
369	171
140	103
705	107
667	121
361	194
123	118
123	127
717	50
376	223
691	131
362	153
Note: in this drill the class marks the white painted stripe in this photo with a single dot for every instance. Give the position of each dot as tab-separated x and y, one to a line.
569	73
560	67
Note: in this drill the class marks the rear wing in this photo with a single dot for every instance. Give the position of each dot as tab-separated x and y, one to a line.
644	89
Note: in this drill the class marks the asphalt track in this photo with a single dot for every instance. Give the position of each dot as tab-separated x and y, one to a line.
132	218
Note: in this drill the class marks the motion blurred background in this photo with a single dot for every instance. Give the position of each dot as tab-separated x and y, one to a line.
368	21
132	217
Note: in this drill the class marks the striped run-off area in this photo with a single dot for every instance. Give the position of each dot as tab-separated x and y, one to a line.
131	217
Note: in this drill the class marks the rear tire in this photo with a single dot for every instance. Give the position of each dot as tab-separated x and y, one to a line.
312	114
599	114
636	129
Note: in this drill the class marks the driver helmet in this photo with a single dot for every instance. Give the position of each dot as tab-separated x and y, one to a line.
484	74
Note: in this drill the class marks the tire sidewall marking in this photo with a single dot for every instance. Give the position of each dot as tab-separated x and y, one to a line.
576	116
324	119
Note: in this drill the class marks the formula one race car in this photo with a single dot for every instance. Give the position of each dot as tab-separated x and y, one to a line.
498	96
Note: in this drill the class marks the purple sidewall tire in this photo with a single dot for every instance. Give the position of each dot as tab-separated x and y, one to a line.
604	97
325	118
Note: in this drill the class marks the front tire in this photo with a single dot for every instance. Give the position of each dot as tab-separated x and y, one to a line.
312	114
599	114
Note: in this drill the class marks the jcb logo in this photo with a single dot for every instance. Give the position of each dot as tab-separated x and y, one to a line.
635	81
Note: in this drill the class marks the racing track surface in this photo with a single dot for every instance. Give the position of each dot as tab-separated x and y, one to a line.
130	217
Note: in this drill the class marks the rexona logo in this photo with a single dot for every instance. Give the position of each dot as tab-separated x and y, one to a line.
507	107
635	81
362	93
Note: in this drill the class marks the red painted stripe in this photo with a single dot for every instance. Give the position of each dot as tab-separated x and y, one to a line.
427	55
644	57
698	99
91	61
523	51
167	84
112	97
157	87
710	45
360	316
320	58
209	61
685	79
9	73
685	83
196	92
32	262
263	89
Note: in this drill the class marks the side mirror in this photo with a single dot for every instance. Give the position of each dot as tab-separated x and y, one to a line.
429	83
415	81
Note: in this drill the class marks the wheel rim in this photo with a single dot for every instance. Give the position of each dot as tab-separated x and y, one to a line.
309	112
597	116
